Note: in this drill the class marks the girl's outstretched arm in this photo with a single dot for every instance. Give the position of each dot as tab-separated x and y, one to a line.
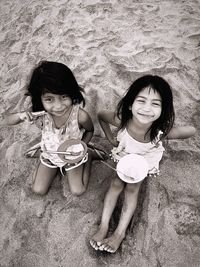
181	132
107	118
86	122
15	118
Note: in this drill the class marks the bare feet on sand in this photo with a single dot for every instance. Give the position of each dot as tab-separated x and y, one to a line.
111	244
98	237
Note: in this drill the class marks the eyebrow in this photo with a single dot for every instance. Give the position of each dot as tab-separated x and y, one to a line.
155	99
47	96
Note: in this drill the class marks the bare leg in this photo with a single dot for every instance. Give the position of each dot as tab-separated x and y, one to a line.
87	169
78	178
112	243
42	179
110	201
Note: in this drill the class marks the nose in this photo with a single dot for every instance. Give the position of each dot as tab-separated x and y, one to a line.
58	104
147	106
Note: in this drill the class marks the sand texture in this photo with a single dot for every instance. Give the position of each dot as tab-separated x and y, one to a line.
107	44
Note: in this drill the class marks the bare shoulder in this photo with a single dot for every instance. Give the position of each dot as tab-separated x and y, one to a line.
84	119
181	132
109	117
83	115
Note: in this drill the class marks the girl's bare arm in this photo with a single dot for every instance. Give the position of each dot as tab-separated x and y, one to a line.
86	122
181	132
107	118
15	118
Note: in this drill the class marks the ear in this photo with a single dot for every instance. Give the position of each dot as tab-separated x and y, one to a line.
130	108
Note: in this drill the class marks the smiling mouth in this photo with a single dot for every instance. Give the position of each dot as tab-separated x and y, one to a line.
59	112
146	115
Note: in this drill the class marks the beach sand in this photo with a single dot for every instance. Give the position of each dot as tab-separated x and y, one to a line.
107	44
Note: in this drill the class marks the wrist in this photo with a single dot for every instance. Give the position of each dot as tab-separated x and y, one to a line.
113	142
21	116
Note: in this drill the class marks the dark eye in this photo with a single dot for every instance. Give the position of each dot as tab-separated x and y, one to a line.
157	104
140	100
48	99
64	97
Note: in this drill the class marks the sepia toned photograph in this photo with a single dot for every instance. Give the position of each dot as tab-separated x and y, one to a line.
99	133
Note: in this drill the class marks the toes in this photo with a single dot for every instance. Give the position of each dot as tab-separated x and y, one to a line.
101	248
107	248
111	250
103	245
99	243
94	244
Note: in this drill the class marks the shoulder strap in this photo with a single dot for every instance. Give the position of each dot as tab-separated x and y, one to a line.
158	137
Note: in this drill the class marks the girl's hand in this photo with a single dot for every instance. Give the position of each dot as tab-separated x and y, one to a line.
114	142
26	116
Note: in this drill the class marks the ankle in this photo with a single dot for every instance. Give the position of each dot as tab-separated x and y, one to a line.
103	227
120	235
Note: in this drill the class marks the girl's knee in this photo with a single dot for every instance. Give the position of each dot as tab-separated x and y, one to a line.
117	184
133	188
38	190
77	191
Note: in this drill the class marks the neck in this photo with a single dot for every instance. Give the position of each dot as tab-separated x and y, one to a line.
139	131
60	121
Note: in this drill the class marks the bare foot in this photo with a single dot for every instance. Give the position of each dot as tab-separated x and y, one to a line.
111	244
99	236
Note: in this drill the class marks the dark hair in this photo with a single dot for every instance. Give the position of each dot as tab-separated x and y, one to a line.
166	119
55	78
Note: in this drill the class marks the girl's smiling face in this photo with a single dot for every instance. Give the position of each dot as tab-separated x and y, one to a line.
56	105
147	106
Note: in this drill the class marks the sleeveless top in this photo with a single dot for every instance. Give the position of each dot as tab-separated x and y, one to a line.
151	151
53	137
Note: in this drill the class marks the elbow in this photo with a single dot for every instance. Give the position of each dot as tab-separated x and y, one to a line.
193	130
99	115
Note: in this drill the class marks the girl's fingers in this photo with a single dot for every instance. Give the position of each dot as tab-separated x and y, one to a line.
29	117
26	116
38	113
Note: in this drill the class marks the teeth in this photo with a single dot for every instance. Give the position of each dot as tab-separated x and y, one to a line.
145	115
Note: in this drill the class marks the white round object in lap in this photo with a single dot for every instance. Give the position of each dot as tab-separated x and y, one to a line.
132	168
73	146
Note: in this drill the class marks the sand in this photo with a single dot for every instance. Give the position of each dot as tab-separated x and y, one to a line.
107	44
